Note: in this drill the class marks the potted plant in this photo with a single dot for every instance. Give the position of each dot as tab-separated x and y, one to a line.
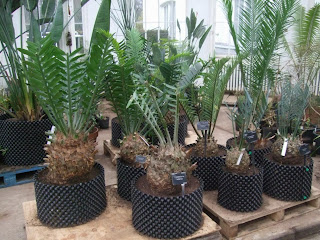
256	43
203	105
24	125
130	59
68	87
240	183
285	163
158	209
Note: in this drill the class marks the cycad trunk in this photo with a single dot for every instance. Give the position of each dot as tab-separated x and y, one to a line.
69	158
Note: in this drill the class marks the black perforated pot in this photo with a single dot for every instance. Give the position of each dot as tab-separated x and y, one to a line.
125	175
286	182
240	193
208	169
70	205
166	217
257	153
182	131
116	132
103	123
23	140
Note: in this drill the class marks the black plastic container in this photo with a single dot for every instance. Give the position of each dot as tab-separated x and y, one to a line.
182	131
240	193
125	175
71	205
103	123
317	140
208	169
23	140
308	135
166	217
116	132
286	182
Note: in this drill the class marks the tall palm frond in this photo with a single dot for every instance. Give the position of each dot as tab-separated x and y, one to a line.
261	26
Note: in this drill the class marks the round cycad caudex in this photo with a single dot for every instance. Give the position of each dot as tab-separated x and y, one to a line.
131	146
292	148
212	147
69	157
232	159
165	161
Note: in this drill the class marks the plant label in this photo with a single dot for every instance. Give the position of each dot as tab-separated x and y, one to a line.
284	148
141	159
203	125
251	136
53	128
179	178
240	156
304	149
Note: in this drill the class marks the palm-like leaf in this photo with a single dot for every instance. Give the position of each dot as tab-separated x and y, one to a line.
261	25
304	51
131	59
68	86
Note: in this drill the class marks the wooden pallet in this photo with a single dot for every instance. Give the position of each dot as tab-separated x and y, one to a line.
16	175
114	223
236	224
110	150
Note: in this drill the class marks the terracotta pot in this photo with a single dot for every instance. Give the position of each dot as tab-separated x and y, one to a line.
93	134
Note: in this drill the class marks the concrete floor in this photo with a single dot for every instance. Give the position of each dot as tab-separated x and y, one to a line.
11	199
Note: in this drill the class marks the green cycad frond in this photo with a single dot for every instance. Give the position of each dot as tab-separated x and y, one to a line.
68	86
131	59
261	26
205	104
211	94
304	51
294	100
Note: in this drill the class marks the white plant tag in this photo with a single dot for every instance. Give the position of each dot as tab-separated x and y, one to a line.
53	128
240	156
284	148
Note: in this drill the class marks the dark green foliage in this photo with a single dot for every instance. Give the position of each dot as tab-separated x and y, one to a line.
68	86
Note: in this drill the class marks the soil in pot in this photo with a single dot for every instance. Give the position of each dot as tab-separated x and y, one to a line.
143	185
288	182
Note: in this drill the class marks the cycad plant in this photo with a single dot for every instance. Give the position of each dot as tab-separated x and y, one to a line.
291	107
257	40
131	58
204	104
68	87
303	50
22	100
169	157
